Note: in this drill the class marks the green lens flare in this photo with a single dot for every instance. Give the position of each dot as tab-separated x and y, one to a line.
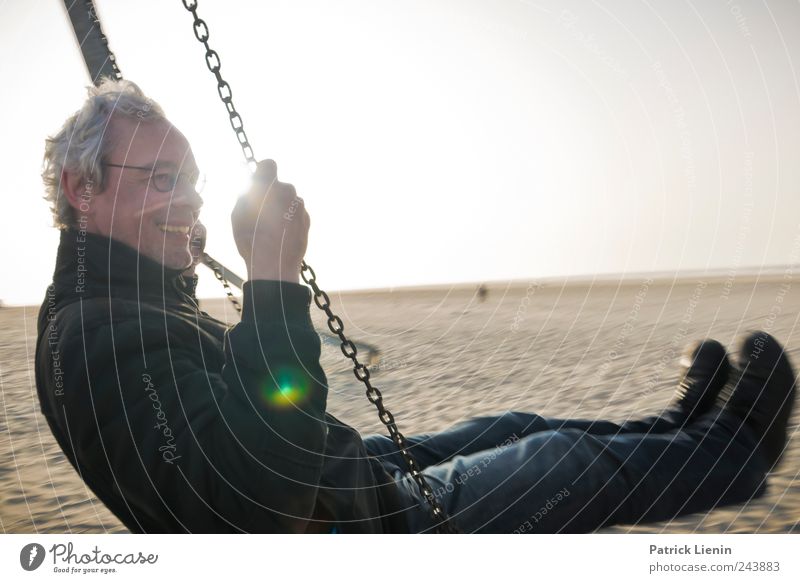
288	388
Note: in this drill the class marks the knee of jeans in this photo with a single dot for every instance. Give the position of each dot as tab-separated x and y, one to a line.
524	422
511	425
565	449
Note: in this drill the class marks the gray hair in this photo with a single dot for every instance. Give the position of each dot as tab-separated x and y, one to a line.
82	145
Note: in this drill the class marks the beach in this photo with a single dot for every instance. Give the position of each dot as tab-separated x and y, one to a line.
591	349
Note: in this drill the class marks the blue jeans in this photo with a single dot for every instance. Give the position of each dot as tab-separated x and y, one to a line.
520	472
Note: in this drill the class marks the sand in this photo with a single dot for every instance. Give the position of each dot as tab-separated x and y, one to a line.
583	349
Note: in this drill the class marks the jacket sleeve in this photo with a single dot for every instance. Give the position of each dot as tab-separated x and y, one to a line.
236	447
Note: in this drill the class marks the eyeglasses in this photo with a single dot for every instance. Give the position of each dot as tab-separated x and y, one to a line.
166	180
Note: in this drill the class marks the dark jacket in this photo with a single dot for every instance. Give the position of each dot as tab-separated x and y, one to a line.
179	423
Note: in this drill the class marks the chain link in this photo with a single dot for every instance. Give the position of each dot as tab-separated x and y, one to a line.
361	372
223	88
443	523
216	268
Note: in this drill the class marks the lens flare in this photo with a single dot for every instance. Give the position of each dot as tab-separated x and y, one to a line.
288	387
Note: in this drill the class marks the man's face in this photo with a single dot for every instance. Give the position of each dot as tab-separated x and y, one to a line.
131	208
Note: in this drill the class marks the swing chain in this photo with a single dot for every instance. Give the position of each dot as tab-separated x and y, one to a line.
216	268
223	88
443	524
375	397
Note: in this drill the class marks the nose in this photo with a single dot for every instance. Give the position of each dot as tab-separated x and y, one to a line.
185	195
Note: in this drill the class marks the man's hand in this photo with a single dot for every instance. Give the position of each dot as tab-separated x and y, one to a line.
270	227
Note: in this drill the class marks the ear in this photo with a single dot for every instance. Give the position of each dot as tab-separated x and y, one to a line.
78	192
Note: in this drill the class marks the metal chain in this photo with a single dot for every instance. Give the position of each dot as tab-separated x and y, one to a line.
361	372
216	268
224	90
443	523
92	11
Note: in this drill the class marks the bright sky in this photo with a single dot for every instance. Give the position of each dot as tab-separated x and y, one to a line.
440	141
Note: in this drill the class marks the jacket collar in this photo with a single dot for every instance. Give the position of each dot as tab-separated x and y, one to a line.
90	265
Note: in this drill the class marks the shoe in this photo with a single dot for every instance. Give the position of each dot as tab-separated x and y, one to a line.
761	392
705	370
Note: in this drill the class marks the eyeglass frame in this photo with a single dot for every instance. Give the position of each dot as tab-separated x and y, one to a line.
201	179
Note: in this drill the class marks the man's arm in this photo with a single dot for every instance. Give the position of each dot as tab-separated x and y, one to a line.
189	439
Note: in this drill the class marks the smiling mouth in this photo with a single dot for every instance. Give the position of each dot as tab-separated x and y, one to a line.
175	229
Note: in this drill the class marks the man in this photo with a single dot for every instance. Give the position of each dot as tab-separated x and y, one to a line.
181	424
